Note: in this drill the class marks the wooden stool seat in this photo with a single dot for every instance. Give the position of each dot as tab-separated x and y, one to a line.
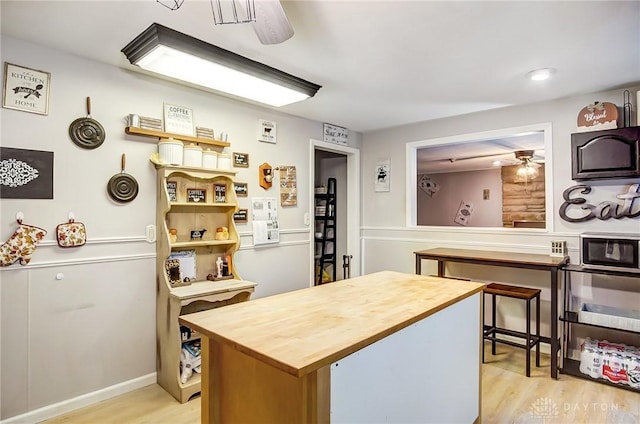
491	332
511	291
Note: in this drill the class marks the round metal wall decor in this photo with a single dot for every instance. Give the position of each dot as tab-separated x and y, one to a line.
87	133
122	188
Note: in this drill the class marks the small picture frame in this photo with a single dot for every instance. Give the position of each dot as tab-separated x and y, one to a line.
178	120
241	160
241	189
196	195
220	193
172	188
172	266
241	216
26	89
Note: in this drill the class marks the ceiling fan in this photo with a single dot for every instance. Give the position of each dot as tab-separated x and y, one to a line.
267	17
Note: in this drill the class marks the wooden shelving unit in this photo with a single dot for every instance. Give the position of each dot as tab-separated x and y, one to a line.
176	300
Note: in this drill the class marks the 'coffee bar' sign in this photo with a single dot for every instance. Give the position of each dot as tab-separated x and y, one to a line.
603	210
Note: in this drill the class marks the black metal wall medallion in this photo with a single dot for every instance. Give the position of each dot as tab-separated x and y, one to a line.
122	187
86	132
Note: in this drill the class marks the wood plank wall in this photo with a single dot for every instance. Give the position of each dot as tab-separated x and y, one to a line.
520	201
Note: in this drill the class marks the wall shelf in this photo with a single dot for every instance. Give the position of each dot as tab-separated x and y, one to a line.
160	134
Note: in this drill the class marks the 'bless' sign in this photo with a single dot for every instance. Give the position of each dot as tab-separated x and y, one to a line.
603	210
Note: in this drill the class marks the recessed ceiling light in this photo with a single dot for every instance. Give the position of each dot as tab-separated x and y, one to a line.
541	74
496	163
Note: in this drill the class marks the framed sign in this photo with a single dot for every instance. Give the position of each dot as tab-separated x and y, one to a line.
335	134
171	189
178	120
26	89
267	131
241	216
241	160
241	189
197	195
220	191
383	175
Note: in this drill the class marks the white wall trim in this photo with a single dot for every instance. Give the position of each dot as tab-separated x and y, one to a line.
101	240
461	244
81	401
476	230
289	231
80	261
274	245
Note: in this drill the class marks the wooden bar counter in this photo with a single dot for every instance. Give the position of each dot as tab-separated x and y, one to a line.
386	346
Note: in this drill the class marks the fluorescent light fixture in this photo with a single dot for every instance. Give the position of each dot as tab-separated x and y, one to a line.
176	55
541	74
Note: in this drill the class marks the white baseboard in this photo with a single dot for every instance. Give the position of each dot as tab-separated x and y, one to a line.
81	401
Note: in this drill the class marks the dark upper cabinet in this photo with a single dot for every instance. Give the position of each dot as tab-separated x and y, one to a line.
605	154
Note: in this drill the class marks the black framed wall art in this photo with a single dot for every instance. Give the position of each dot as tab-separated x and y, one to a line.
26	174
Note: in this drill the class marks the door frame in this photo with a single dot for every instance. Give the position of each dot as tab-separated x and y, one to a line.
353	203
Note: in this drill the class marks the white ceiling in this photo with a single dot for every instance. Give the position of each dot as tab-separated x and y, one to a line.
381	63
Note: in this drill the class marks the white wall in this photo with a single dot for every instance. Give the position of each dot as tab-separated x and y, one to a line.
389	244
95	329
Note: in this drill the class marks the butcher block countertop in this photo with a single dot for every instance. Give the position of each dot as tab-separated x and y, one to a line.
304	330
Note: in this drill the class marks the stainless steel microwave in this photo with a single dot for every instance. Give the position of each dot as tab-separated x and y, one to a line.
608	251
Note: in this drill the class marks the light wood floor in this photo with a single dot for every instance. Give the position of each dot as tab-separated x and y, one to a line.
507	397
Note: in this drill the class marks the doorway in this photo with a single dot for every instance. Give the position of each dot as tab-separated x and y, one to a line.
342	163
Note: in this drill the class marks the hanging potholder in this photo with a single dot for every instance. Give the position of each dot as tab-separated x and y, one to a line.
71	234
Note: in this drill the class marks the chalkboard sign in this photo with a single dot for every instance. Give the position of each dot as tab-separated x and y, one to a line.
241	215
196	195
241	189
241	160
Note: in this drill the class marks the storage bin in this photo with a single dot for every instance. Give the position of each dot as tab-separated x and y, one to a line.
209	159
170	151
610	316
224	162
192	156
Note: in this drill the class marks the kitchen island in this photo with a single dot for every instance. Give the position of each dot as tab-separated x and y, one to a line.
386	346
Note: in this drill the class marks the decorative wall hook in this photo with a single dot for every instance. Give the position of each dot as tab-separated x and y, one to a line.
265	176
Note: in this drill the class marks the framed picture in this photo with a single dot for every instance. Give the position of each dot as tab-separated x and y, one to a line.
196	195
220	193
241	189
178	120
241	216
241	160
172	186
267	131
382	175
172	266
26	174
26	89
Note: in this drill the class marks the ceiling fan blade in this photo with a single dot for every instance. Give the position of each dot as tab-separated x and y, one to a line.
271	25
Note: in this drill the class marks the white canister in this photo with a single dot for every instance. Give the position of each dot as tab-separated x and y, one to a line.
209	159
224	162
192	156
170	151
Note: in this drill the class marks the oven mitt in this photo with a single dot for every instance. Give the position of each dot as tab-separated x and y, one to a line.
21	244
71	234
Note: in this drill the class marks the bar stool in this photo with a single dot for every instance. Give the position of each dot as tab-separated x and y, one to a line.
492	331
